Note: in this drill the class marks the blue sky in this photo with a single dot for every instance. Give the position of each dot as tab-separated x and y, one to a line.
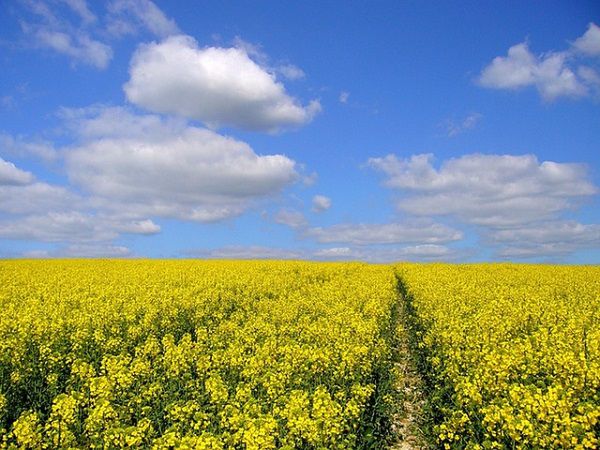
376	131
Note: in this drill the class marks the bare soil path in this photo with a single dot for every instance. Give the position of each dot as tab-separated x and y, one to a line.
408	420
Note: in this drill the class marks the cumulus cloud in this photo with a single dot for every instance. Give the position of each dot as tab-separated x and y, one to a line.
21	194
548	73
321	203
11	175
554	74
589	43
186	172
218	86
128	16
127	169
35	210
290	217
489	190
420	232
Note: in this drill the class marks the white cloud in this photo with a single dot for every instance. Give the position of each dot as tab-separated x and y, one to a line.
72	226
551	232
257	54
592	79
551	238
335	253
424	252
549	73
55	33
321	203
589	75
291	218
181	172
84	40
589	43
94	251
510	72
98	122
554	74
248	252
455	128
10	175
81	8
82	251
291	72
344	96
20	147
428	251
126	16
35	254
79	46
35	210
310	179
218	86
37	197
489	190
420	232
131	168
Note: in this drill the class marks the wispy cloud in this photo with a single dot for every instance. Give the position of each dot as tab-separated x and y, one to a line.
369	254
129	16
320	203
290	217
85	39
454	128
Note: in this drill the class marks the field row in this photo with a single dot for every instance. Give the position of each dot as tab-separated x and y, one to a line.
180	354
511	353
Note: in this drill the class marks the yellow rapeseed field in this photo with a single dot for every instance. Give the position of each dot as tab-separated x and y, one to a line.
511	352
294	355
191	355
